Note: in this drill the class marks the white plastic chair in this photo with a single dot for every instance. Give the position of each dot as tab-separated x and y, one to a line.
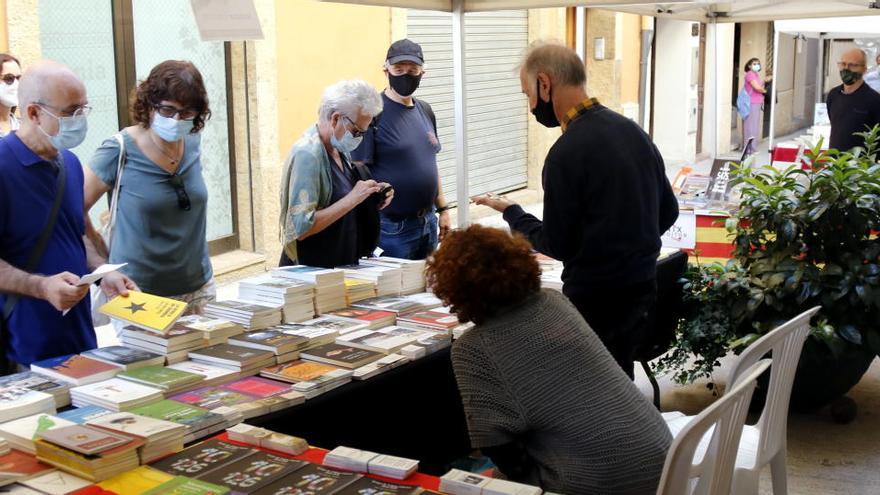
689	472
765	442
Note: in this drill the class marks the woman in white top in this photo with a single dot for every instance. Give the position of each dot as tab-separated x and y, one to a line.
10	73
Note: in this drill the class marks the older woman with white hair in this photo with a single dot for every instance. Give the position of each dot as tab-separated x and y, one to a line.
321	190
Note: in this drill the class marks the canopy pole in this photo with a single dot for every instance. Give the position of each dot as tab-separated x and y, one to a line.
773	93
580	41
716	114
820	72
460	109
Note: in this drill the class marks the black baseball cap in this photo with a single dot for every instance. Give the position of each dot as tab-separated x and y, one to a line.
405	51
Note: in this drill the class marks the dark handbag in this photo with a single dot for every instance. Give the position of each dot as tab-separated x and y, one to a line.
33	260
367	214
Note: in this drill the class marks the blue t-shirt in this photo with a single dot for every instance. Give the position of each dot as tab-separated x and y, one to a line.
402	151
164	245
27	191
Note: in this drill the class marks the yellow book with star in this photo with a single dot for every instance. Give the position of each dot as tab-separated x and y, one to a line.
152	313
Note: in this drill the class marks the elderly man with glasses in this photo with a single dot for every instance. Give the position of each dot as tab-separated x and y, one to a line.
43	251
329	207
853	106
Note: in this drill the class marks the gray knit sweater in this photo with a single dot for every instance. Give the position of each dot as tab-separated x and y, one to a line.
539	375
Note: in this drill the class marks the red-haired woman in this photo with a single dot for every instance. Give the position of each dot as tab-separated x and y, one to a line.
542	396
160	221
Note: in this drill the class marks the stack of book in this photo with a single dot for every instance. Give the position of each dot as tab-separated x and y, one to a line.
434	342
437	321
372	485
329	284
115	394
214	397
426	300
413	278
160	437
458	331
250	315
395	304
358	290
127	358
168	380
174	345
18	467
457	482
251	473
317	479
141	480
296	296
82	415
375	319
91	453
338	323
152	313
388	280
284	346
214	330
363	461
200	459
75	369
380	366
54	482
18	402
20	433
344	356
4	446
39	383
386	340
212	374
199	422
316	335
546	263
552	280
309	378
244	360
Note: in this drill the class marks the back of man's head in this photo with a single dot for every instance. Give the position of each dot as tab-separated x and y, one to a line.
49	83
559	62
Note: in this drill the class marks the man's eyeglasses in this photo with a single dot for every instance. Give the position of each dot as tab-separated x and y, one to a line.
170	112
357	132
176	182
844	65
10	78
80	111
401	69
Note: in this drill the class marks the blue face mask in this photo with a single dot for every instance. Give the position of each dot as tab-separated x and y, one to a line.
347	143
71	131
170	129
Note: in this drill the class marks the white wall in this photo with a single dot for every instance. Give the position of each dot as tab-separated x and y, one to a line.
717	108
672	90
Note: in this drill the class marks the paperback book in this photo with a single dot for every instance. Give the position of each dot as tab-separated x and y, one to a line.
201	459
115	394
127	358
18	402
75	369
311	479
39	383
168	380
152	313
344	356
249	474
21	432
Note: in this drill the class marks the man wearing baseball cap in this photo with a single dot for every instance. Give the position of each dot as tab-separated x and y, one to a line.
401	149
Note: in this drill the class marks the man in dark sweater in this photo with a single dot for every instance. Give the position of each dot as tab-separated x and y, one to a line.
606	202
853	106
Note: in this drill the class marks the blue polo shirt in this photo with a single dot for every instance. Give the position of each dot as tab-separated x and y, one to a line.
27	191
402	151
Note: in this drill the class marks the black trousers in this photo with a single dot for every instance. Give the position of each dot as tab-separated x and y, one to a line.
622	318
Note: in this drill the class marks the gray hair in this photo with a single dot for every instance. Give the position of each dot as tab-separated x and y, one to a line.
558	61
350	98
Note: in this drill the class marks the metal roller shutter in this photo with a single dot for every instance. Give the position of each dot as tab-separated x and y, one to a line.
497	125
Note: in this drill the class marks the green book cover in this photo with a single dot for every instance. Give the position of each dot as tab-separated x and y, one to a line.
178	412
162	377
181	485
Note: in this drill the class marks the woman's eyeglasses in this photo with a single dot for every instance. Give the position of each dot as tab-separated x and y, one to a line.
170	112
10	78
176	182
357	132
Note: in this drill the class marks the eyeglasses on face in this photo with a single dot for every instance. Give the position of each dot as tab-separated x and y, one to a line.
176	182
357	132
844	65
170	111
79	111
401	69
10	78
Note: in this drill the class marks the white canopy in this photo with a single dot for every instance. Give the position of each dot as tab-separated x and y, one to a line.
833	28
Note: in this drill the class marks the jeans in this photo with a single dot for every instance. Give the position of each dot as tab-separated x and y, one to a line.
412	238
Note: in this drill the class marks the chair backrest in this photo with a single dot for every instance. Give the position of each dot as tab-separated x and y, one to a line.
784	343
714	472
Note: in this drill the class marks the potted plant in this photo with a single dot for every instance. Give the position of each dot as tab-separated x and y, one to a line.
802	238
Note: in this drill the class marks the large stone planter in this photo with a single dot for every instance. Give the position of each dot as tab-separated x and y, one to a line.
822	377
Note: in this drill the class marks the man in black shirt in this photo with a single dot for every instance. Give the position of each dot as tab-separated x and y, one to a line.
606	202
853	106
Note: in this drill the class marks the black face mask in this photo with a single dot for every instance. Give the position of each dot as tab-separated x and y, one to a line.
849	77
543	110
405	84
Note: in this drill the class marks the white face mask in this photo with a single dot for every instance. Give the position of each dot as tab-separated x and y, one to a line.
756	67
9	94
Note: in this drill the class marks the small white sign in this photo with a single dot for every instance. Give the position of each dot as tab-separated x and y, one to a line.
599	48
227	20
820	114
683	233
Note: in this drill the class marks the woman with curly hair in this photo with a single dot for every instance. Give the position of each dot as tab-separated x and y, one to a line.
161	217
542	396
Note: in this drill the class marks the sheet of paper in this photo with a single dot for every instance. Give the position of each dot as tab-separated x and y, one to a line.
683	233
99	273
227	20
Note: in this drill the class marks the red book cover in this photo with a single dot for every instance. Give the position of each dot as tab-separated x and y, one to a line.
259	387
75	366
363	314
15	465
433	318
